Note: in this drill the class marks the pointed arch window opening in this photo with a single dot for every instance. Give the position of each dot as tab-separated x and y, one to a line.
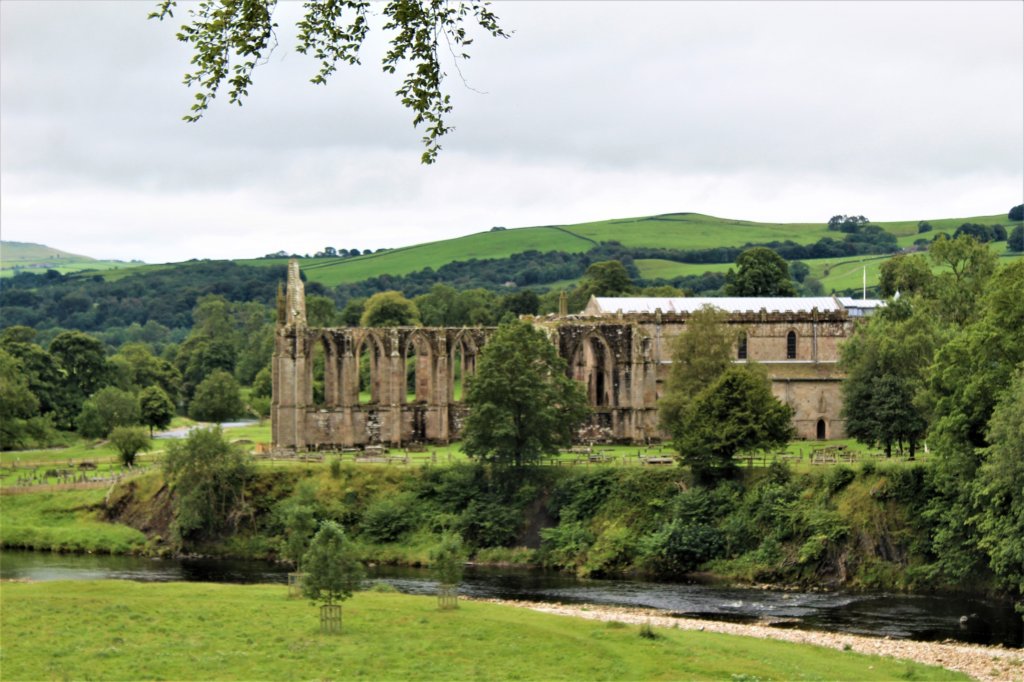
741	346
791	346
368	368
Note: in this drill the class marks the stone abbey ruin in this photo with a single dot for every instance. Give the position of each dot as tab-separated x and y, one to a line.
620	349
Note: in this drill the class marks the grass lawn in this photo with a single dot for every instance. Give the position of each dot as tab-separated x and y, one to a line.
63	520
124	630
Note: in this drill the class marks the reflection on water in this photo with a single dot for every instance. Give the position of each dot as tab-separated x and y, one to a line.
900	616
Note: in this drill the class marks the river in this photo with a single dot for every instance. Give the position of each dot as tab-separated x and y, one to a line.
899	616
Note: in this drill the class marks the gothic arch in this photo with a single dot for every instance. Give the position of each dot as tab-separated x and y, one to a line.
418	346
367	341
593	365
791	346
323	365
463	352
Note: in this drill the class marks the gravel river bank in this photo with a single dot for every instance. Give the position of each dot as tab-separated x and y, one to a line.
988	664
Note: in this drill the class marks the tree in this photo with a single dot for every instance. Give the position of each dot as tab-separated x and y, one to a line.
156	409
447	564
389	309
905	274
967	265
1015	242
1016	213
607	278
208	477
17	403
217	398
799	270
699	356
972	372
997	494
735	414
760	272
129	441
229	39
448	559
84	364
320	311
521	303
886	361
44	375
108	408
333	571
521	402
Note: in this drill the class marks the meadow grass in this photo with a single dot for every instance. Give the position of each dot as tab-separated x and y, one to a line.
64	521
675	230
125	630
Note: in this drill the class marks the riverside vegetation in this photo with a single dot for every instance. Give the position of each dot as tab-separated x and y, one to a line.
859	526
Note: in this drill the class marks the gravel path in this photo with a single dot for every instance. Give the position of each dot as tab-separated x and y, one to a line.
980	662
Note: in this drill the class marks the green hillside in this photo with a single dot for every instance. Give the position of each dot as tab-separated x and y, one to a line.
674	230
38	258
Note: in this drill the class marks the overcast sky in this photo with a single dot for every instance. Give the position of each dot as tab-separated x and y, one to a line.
591	110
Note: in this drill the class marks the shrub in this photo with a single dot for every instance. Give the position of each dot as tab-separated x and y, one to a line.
837	478
448	559
489	524
129	441
566	545
389	517
678	547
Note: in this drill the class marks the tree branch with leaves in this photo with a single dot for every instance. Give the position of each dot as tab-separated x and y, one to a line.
230	38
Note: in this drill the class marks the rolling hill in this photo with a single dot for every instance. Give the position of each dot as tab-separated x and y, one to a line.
672	230
38	258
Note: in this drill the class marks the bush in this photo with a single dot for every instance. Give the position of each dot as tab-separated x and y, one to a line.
389	517
679	548
566	545
448	559
837	478
489	524
129	441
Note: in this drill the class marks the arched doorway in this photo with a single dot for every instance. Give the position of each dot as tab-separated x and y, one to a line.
821	429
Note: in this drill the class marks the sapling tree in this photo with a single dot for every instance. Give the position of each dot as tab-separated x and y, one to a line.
333	571
447	564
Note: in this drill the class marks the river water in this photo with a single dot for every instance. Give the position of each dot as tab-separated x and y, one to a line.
899	616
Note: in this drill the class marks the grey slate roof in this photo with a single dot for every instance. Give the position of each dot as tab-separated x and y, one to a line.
610	306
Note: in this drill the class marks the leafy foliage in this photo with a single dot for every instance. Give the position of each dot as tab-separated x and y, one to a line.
208	476
522	404
448	559
886	361
156	410
735	414
760	272
217	398
108	408
389	309
333	571
229	39
129	441
699	356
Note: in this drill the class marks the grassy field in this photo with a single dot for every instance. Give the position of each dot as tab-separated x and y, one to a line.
675	230
64	520
835	274
37	258
111	630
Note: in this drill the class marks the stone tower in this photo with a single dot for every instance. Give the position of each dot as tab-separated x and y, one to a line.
291	353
